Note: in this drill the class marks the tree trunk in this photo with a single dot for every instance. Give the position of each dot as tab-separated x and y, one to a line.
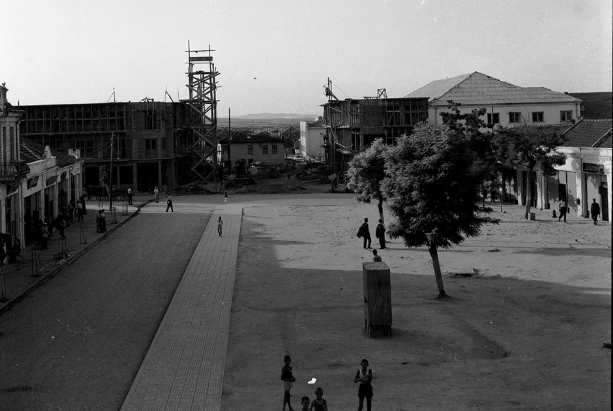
529	193
437	272
380	207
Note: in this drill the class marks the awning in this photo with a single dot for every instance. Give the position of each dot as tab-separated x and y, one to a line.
33	182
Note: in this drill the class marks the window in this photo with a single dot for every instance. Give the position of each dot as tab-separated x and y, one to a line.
538	117
150	144
265	149
274	149
515	117
250	150
566	115
496	118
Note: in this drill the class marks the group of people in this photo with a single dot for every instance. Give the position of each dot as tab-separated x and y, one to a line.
364	232
362	376
594	210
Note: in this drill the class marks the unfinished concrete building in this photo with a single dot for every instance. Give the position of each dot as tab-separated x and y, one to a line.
352	125
148	139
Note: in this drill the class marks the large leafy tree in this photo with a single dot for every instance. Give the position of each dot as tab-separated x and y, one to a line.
432	188
530	147
366	172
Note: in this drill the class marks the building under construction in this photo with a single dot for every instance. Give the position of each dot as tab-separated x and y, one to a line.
352	125
145	143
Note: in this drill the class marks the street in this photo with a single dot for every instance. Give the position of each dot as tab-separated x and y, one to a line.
78	341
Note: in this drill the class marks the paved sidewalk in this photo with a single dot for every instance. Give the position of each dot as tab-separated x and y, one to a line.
22	276
184	366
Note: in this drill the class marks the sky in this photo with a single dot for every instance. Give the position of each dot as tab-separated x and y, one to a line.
275	56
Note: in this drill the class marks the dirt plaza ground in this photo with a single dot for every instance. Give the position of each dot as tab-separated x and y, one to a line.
530	309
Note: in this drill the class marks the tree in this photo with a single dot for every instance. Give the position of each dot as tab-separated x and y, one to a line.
530	147
432	188
366	172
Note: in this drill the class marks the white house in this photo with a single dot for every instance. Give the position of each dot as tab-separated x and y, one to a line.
510	105
587	173
312	139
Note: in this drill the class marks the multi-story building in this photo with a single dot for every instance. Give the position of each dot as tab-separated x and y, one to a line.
12	170
507	105
146	140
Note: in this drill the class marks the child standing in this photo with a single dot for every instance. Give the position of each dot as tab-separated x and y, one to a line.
169	204
219	226
364	377
225	197
319	404
288	378
305	402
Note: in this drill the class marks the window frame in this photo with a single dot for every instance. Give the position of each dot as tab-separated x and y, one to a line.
536	115
264	148
514	117
495	116
566	115
274	149
249	149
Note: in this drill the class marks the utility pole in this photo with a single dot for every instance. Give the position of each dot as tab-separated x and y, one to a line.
111	177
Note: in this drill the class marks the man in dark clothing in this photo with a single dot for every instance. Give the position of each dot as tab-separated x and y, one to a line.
130	195
380	234
366	233
595	211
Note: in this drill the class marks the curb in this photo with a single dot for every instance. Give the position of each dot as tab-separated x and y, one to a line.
12	301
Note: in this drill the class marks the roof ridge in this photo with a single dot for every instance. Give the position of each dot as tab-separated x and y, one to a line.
601	139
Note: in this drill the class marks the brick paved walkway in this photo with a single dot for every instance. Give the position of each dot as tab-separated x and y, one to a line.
184	367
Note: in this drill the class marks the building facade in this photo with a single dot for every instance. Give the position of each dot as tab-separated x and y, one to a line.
507	105
259	148
149	142
312	135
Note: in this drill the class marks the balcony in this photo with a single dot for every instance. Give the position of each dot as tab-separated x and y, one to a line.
13	171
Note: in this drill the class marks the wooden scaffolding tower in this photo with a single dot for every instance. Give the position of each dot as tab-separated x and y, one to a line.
202	102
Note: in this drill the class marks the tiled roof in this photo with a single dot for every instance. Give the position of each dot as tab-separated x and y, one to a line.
258	138
480	89
589	133
31	152
595	105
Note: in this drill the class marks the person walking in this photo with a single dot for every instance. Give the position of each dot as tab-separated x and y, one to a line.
225	197
288	378
380	234
365	233
562	209
169	204
219	226
156	191
595	211
130	195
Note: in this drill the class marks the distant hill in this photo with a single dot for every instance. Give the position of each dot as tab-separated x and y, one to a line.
274	116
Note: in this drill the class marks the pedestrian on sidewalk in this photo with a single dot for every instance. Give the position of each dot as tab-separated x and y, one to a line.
101	221
83	204
595	211
365	233
169	204
288	378
562	209
71	211
380	234
156	192
44	235
79	211
376	258
219	226
60	224
364	377
130	195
